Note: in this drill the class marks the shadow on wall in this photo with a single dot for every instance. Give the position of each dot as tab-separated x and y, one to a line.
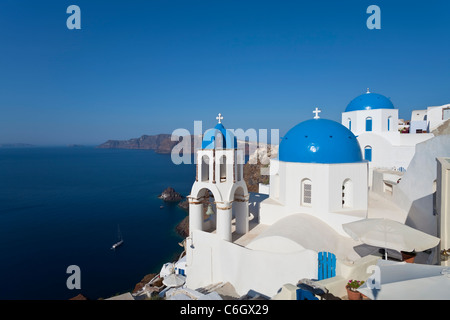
254	201
416	191
422	210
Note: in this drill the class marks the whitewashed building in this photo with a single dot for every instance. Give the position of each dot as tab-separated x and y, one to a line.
373	118
321	184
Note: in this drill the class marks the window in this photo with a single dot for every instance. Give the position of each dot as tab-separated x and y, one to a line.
306	194
368	124
349	124
368	153
445	113
389	123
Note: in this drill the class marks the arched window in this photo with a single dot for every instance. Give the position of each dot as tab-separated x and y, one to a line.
349	124
389	123
369	124
223	168
347	194
306	193
205	168
368	153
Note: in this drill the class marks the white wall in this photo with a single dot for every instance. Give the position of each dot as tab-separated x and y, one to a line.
419	115
379	120
264	188
414	193
391	150
327	181
443	204
212	260
418	125
435	116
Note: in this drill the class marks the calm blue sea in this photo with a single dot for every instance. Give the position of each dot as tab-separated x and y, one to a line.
62	206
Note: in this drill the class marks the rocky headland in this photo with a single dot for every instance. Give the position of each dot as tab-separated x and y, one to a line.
163	144
160	143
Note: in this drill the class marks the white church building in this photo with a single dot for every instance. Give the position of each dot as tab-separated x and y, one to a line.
373	118
320	181
321	184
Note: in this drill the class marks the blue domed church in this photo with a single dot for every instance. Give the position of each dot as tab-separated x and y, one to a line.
317	184
374	120
320	171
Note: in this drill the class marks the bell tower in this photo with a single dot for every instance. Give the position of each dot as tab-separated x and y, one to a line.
219	174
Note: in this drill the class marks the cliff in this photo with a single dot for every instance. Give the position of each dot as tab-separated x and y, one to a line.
256	170
160	143
16	145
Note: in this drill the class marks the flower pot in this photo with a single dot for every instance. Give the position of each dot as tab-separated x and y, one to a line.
408	257
353	295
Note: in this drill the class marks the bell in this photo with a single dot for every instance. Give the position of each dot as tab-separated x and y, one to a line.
210	210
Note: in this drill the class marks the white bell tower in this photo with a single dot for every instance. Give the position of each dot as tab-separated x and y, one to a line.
219	173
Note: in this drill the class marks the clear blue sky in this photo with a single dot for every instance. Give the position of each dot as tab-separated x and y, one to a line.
147	67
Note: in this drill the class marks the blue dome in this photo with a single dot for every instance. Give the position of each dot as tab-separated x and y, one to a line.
320	141
369	101
228	139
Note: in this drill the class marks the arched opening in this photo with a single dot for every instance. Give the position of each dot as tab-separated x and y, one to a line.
349	121
306	193
368	153
389	123
369	124
223	168
205	168
208	210
347	194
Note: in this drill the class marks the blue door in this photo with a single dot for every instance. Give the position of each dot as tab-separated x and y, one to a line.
368	153
327	265
369	124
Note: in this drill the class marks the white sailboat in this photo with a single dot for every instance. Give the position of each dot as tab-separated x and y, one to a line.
120	242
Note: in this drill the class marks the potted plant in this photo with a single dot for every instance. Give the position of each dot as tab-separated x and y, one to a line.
352	286
408	256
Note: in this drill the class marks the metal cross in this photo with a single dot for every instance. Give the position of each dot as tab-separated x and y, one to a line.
219	118
317	111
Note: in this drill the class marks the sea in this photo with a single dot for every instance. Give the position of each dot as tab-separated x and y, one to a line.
65	206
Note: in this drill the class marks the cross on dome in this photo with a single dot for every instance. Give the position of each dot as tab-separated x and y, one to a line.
368	91
316	112
219	118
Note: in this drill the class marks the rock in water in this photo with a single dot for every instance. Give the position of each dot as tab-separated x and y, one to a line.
170	195
184	205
